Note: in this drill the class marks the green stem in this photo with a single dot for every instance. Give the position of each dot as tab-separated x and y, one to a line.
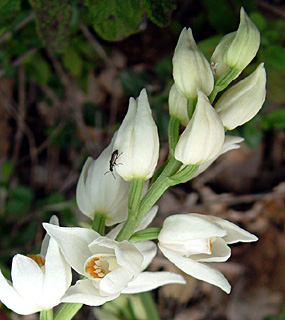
46	314
191	103
173	134
135	193
67	311
98	223
145	234
149	199
226	78
185	174
149	305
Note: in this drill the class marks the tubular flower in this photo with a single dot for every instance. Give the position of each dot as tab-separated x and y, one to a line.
240	47
98	191
190	240
191	70
137	141
242	101
38	281
203	136
110	267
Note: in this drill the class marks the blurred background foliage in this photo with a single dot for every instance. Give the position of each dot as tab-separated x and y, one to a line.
67	69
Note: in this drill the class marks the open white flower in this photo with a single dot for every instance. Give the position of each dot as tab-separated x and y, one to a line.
111	267
38	281
190	240
98	191
137	141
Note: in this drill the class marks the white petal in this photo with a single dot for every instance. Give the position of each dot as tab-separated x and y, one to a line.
198	270
73	242
84	292
220	252
129	257
148	249
181	227
12	300
114	282
45	242
150	280
27	278
57	275
234	233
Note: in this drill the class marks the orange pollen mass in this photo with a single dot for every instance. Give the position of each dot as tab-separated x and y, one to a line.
38	259
94	269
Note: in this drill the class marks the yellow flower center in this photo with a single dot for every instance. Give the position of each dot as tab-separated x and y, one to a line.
99	265
40	260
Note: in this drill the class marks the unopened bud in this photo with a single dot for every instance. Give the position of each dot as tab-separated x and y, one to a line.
191	70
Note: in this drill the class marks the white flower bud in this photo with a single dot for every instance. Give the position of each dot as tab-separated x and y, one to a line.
178	105
204	135
218	65
237	49
242	101
137	141
191	70
99	192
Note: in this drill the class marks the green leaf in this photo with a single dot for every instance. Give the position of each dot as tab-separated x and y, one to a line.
72	61
5	172
19	199
53	19
8	11
159	11
274	56
38	68
274	119
117	20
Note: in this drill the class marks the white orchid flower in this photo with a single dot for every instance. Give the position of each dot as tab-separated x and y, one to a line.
38	281
100	191
110	267
191	70
137	141
203	136
190	240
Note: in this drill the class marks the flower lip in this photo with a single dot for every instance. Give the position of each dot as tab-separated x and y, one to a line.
99	265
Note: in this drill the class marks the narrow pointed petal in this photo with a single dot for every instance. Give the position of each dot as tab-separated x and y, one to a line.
234	233
57	275
198	270
151	280
53	220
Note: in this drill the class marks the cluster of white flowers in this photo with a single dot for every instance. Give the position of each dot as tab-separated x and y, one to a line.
114	263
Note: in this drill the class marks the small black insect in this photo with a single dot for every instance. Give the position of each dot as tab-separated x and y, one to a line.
115	155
